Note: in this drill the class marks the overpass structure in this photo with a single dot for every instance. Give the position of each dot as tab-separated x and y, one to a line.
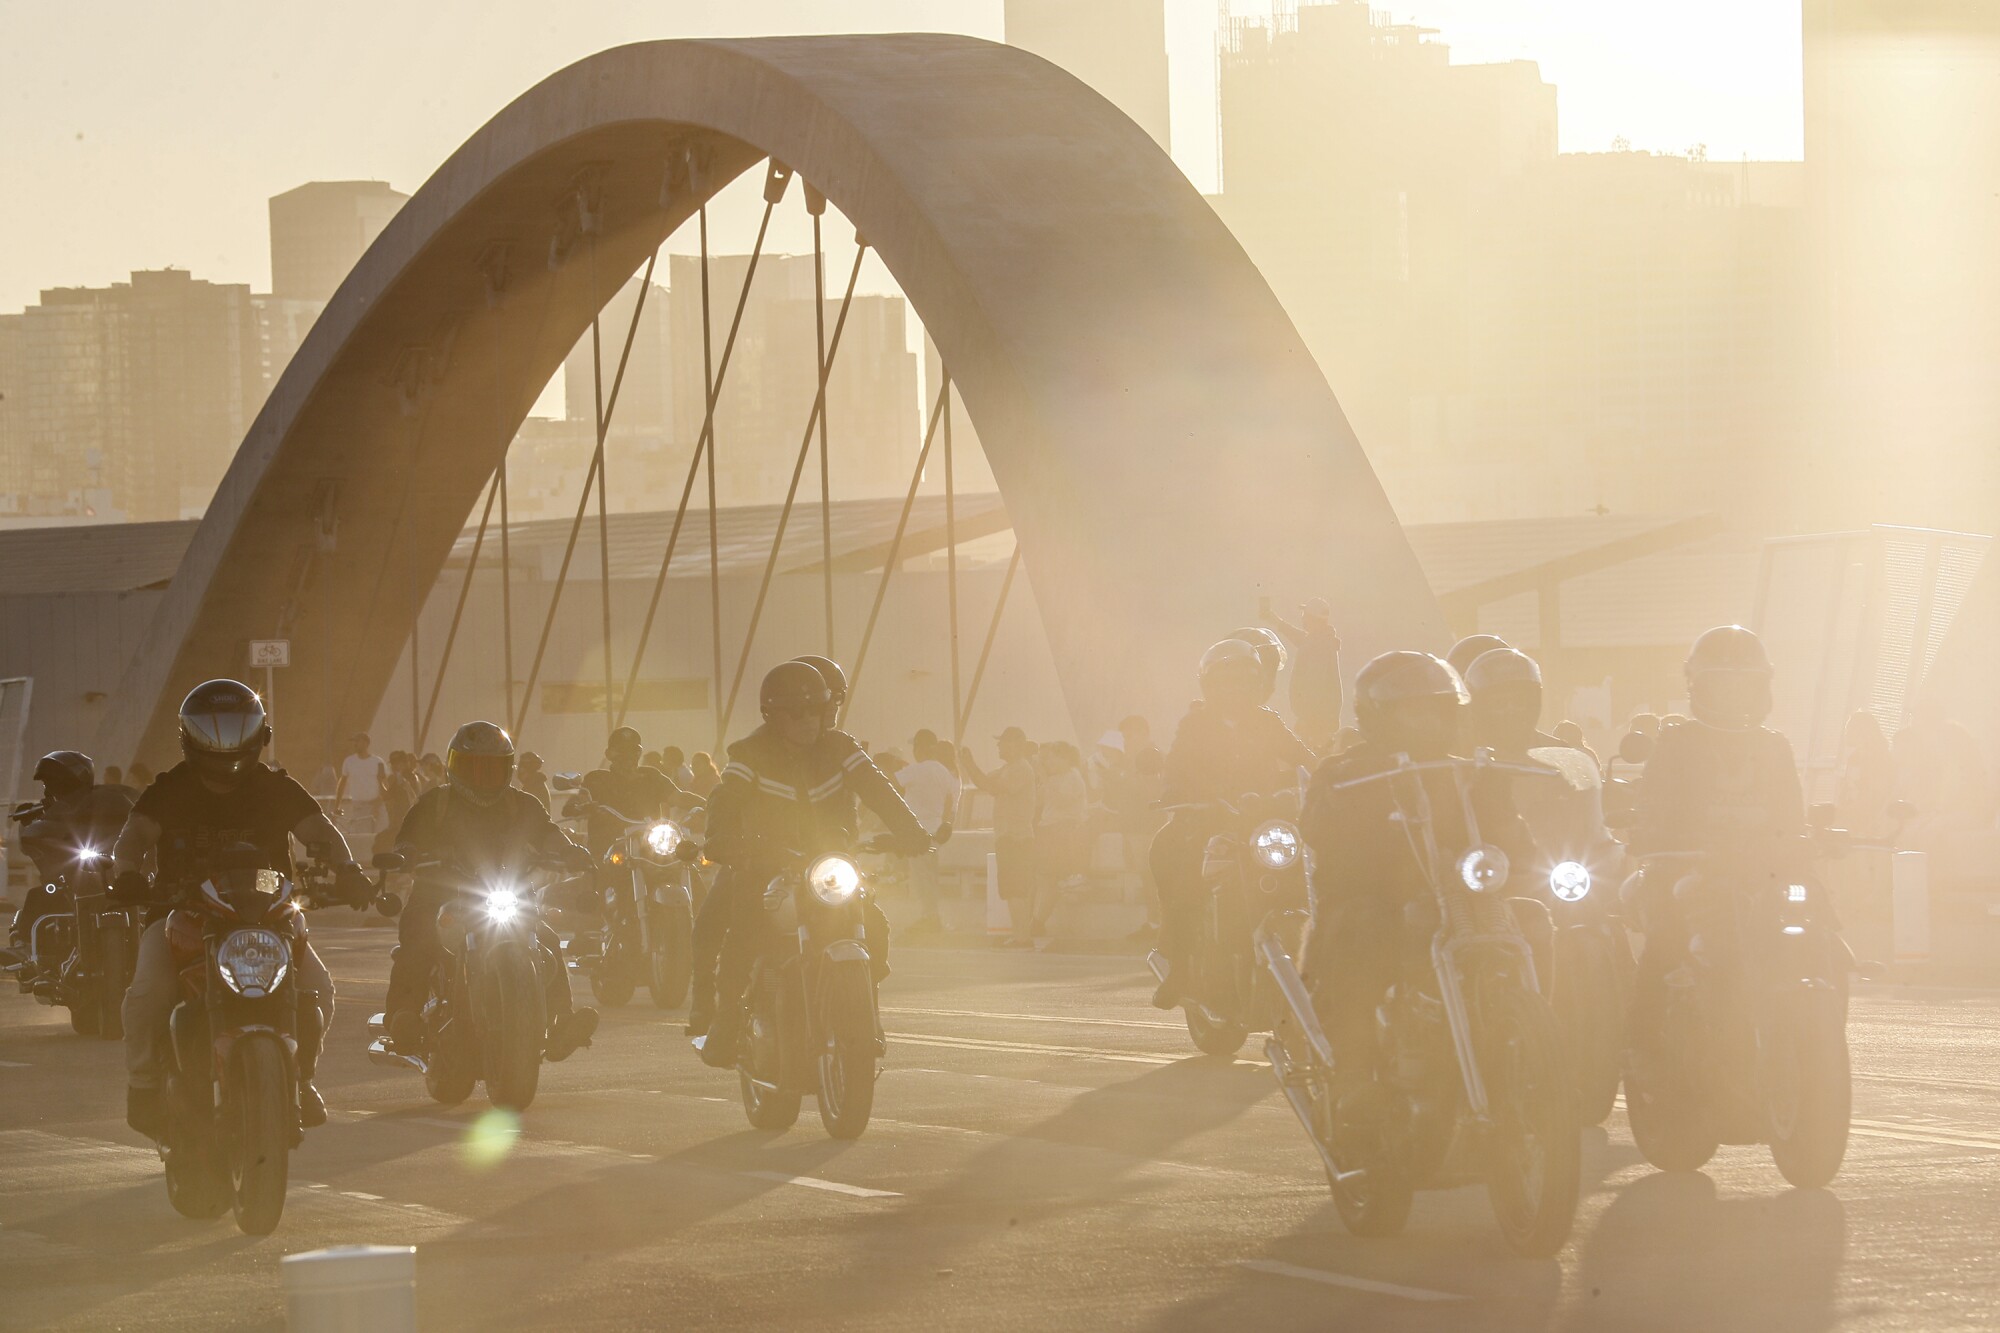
1166	447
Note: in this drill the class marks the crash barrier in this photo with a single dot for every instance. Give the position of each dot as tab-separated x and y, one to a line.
351	1289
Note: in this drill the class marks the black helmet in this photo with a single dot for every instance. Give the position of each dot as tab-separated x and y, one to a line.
1410	703
1232	674
1729	679
1270	650
480	761
1470	648
624	739
64	773
1506	689
223	729
791	687
836	682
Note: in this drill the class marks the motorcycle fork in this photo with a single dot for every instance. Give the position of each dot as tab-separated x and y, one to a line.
642	908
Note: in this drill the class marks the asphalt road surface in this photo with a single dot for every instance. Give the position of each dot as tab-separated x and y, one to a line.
1047	1153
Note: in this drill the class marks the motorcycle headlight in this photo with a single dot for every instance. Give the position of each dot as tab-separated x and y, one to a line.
1795	893
834	880
88	855
664	838
253	962
502	905
1276	845
1483	869
1570	881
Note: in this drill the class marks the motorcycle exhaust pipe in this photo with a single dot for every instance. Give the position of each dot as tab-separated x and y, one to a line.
1295	1096
1297	998
1157	961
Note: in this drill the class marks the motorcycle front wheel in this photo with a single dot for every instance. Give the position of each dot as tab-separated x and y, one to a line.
1811	1092
514	1023
1534	1156
1219	1038
114	961
265	1119
611	982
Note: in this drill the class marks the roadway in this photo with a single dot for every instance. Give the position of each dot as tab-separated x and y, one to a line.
1047	1153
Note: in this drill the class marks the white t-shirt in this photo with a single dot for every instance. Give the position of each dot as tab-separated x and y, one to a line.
931	791
364	777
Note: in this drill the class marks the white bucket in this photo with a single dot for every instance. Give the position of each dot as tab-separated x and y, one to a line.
352	1289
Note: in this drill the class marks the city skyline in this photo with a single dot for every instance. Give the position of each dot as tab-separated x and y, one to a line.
93	119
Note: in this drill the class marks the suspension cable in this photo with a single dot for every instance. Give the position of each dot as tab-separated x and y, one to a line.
583	505
895	546
992	633
457	612
714	544
792	491
603	519
951	583
774	183
825	475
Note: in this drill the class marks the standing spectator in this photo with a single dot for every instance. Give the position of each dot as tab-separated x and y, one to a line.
362	774
1062	830
1138	814
140	777
530	778
430	773
1315	671
932	791
702	775
1867	778
113	777
674	763
1014	788
399	793
1939	770
1108	772
1571	734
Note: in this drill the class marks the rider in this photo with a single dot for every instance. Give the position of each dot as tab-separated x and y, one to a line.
81	822
626	786
1228	746
1364	868
219	797
480	824
1271	655
1461	655
789	790
1722	784
1506	713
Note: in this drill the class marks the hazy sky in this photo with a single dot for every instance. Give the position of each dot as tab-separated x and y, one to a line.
135	134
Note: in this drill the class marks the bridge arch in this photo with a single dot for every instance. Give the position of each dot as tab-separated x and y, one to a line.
1166	446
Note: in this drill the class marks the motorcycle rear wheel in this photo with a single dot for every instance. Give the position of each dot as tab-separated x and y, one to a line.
83	1019
1222	1040
1374	1204
452	1071
1591	1019
1809	1120
1534	1165
260	1138
513	1025
611	983
1669	1127
195	1189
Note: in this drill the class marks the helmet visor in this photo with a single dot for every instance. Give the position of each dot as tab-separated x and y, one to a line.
224	731
482	774
1726	697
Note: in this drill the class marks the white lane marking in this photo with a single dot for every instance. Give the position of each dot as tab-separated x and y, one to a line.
815	1183
357	1194
1030	1048
1890	1129
1955	1084
15	1064
1042	1018
1325	1278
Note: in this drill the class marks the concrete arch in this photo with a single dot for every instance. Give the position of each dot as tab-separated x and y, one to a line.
1166	445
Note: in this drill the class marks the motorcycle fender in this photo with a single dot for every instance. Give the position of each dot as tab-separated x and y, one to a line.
847	993
187	1026
223	1043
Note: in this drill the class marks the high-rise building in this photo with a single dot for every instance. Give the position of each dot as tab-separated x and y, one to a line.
1118	47
319	231
1902	125
645	396
133	396
766	399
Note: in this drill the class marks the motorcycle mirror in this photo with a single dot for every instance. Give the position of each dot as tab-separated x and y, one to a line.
687	851
1635	748
389	861
388	904
565	782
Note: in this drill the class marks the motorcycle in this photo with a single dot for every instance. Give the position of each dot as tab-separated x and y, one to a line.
1468	1079
649	906
812	1025
485	1016
81	952
1753	1046
1253	873
232	1078
1591	966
